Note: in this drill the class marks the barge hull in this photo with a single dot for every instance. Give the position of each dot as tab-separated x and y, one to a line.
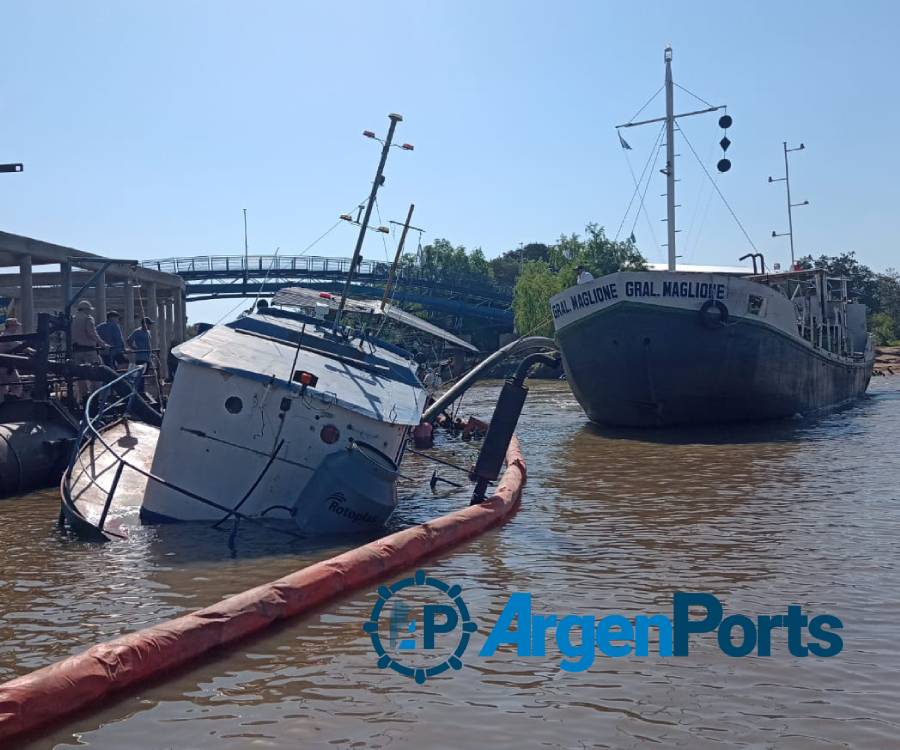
641	365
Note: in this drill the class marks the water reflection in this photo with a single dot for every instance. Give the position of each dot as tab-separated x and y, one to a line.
802	512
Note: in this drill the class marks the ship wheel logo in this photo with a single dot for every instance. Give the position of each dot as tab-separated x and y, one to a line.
420	627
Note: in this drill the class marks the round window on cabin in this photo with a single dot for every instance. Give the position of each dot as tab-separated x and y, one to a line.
233	405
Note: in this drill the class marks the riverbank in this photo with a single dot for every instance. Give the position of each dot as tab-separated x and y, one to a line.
887	360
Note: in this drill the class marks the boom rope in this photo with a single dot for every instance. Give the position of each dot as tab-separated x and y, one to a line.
642	205
637	184
646	104
724	200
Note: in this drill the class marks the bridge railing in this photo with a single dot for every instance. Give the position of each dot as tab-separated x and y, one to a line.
264	263
212	266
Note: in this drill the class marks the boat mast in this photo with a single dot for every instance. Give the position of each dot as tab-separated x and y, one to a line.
670	158
406	227
669	171
379	178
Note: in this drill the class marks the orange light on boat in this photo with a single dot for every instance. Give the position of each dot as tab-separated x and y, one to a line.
305	378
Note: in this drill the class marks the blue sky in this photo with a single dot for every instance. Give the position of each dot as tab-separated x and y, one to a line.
145	128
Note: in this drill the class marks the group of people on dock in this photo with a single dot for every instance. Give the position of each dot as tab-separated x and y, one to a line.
106	343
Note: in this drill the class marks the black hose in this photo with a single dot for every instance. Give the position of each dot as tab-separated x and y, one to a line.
252	486
551	360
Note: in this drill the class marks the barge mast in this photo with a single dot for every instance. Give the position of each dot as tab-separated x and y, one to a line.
670	159
669	171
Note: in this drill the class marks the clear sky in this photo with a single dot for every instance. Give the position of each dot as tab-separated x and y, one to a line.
145	128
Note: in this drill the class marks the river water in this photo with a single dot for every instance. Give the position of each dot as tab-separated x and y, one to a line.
762	516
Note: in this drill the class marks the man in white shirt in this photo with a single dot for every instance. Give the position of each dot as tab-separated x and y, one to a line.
584	276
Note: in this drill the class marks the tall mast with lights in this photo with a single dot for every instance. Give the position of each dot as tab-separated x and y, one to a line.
670	159
669	171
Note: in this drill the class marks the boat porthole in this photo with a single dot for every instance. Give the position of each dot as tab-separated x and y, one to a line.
329	434
233	405
646	341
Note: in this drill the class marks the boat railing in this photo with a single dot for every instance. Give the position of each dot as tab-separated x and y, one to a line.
108	404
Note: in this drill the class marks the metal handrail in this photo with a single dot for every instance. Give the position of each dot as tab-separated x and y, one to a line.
90	424
312	264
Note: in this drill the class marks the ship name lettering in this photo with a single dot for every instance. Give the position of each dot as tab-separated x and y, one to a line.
594	296
693	290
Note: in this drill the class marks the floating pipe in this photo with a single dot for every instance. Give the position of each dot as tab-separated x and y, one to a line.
526	342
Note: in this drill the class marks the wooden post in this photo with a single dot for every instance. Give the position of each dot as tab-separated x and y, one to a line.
162	326
66	269
180	321
170	326
100	298
128	324
151	311
26	297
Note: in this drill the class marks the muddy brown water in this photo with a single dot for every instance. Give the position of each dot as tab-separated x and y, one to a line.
762	516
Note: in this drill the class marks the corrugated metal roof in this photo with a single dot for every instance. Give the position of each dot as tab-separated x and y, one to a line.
380	386
300	297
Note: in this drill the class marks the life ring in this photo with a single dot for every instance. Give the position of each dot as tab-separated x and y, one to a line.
713	320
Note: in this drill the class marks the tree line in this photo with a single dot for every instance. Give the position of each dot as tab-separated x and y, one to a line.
536	271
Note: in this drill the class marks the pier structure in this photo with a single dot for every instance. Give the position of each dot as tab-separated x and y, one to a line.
131	289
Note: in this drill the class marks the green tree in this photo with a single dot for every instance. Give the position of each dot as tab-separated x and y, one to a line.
540	280
889	297
536	284
596	252
479	265
883	328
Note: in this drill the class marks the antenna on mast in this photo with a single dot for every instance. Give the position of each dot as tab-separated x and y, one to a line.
787	182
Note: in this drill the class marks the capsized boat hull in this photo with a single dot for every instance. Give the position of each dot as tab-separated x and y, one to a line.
643	365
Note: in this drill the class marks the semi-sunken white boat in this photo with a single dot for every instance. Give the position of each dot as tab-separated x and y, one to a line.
682	345
276	415
281	414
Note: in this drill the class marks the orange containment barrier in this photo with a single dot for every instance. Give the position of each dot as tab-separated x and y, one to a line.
41	698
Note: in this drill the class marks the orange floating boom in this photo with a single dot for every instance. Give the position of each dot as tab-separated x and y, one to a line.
39	699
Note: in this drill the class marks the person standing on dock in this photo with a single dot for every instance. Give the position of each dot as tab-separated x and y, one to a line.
111	333
85	343
139	341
